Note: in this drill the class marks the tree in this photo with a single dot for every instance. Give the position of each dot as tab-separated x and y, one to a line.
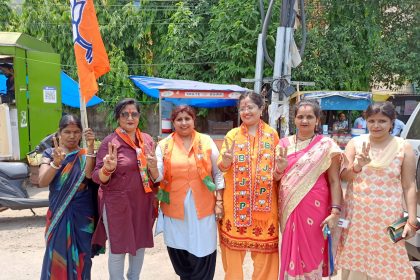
353	45
7	16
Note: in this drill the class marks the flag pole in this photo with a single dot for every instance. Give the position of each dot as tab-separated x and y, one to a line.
90	53
83	117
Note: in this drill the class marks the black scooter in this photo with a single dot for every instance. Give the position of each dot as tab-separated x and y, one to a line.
13	177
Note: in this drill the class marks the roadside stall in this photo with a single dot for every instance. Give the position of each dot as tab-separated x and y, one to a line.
193	93
335	103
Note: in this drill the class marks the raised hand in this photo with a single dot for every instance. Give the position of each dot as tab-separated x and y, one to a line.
281	159
58	152
110	159
151	158
363	158
227	156
90	138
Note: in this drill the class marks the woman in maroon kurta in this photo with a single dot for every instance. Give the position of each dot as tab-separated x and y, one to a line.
126	198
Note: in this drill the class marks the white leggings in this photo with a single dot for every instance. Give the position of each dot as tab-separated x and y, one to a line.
116	261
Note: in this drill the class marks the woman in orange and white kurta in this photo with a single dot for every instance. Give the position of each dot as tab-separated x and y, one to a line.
190	194
381	171
250	221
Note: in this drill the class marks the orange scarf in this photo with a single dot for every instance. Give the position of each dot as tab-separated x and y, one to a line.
141	156
200	156
252	195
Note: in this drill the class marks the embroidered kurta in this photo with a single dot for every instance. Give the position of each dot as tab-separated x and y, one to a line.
129	209
196	235
262	233
373	201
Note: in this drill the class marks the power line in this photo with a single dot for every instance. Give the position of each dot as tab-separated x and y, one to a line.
130	65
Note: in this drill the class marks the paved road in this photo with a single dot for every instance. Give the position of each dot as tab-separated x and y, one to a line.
22	249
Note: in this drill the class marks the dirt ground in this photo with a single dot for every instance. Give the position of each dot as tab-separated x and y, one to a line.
22	249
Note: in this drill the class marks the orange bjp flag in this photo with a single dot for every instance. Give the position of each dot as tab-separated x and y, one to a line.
91	57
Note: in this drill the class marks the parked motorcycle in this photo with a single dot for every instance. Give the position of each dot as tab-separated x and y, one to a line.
13	178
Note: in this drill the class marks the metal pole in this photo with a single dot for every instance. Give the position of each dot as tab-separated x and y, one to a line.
160	115
287	75
259	65
278	61
287	57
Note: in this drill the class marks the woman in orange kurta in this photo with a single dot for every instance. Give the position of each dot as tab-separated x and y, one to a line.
250	221
190	193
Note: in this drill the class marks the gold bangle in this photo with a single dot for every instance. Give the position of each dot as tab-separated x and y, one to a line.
55	166
354	171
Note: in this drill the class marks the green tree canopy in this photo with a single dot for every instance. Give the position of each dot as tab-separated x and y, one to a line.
351	45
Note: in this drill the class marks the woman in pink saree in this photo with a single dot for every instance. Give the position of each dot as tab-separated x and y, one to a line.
309	196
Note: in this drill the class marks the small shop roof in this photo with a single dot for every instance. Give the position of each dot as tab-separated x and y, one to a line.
339	100
17	39
154	87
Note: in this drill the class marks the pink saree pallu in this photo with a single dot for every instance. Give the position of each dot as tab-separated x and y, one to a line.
304	201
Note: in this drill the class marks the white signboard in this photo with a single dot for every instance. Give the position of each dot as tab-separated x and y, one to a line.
50	95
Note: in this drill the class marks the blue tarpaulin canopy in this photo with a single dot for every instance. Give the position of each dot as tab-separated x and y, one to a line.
70	94
340	100
2	84
193	93
69	91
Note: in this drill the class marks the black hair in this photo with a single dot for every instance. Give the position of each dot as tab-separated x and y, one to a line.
385	108
183	108
67	120
307	102
255	97
122	104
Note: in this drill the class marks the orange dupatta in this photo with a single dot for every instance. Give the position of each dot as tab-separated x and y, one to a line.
141	157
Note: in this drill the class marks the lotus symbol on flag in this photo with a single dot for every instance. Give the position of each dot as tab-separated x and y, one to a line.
77	7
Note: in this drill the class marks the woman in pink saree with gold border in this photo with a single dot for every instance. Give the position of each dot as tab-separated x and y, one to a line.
309	196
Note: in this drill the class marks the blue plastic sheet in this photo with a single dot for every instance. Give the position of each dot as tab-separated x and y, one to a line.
69	91
341	100
70	94
2	84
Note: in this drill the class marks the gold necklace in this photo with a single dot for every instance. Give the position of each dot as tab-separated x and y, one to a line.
296	140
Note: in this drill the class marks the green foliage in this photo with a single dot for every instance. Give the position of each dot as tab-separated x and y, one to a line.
231	40
203	112
7	16
353	45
